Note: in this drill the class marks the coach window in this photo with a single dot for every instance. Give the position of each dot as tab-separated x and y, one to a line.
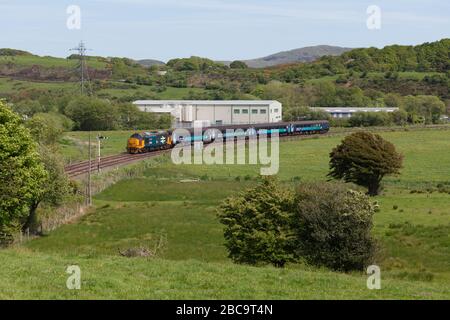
276	110
254	111
244	111
263	111
237	111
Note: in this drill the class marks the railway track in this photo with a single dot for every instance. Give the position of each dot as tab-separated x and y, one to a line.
81	168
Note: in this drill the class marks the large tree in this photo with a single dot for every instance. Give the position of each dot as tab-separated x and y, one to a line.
92	114
365	158
54	190
21	171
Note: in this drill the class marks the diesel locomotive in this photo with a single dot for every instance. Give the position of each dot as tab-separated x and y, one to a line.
160	140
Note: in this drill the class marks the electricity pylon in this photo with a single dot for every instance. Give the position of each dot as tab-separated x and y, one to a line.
84	71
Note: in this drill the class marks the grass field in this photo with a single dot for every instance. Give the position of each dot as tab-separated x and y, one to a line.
175	207
9	86
75	145
48	62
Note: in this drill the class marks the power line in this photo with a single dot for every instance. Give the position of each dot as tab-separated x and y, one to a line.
84	70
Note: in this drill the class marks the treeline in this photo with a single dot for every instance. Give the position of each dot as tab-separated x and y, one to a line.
298	100
427	57
89	113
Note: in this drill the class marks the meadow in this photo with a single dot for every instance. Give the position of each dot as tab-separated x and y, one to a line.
172	209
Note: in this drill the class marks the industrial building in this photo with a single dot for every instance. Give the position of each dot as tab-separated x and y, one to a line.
348	112
186	112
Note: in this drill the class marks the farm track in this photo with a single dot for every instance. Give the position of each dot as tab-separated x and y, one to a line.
81	168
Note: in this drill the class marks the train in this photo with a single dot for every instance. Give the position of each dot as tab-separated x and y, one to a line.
167	139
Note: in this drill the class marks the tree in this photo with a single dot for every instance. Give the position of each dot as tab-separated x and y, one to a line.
364	158
257	225
21	171
92	114
47	128
54	189
332	226
393	100
429	108
28	107
238	65
399	117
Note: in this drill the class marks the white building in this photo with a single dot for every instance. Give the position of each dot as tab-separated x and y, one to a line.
215	112
348	112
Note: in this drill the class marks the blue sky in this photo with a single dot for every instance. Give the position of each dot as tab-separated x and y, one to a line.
218	29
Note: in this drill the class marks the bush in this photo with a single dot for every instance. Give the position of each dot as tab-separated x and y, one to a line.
257	225
238	65
332	226
370	119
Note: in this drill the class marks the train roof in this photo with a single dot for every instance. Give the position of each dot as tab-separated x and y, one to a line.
262	125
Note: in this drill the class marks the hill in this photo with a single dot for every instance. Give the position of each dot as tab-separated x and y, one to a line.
306	54
359	77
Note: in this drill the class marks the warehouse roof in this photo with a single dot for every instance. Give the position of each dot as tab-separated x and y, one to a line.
206	102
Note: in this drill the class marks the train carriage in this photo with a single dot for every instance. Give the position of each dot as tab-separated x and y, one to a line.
159	140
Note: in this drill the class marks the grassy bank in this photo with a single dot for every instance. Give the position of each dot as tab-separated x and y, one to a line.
42	276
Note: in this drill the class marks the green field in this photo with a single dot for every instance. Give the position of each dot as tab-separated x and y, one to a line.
175	207
75	145
23	61
9	86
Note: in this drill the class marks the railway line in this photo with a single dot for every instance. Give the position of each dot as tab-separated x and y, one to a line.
82	168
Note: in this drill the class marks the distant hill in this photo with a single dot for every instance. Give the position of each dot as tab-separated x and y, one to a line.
306	54
150	62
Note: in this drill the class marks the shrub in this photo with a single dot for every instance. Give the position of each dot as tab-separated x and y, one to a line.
332	226
257	225
370	119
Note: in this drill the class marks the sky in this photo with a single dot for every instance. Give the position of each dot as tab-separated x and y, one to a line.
217	29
